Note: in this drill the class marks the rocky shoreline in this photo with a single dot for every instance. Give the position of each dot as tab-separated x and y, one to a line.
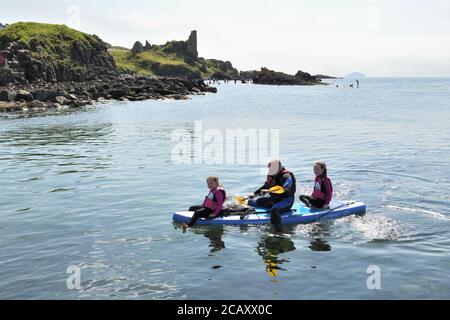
45	66
43	95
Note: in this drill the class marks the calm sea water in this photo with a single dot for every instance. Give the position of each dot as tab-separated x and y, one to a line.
96	188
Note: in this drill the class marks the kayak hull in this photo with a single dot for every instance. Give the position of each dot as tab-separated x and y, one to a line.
300	214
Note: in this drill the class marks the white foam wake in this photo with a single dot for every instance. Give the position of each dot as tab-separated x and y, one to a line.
434	214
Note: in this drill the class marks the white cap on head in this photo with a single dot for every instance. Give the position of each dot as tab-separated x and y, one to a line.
274	167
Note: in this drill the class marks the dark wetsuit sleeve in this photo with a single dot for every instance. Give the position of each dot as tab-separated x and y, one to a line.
265	186
288	185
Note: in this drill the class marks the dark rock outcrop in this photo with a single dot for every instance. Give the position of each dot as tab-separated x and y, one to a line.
6	76
34	69
147	46
7	95
24	95
137	47
271	77
322	76
249	75
45	94
305	76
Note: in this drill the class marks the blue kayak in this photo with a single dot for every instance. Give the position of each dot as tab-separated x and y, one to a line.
300	214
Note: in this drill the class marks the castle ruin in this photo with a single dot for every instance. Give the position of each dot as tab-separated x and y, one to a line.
192	44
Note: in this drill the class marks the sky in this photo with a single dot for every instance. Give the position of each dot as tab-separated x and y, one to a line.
380	38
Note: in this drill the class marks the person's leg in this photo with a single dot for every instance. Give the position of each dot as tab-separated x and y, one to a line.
306	200
317	203
195	208
194	217
265	202
200	213
284	205
220	214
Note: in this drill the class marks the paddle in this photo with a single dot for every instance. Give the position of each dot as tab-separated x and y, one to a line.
274	190
241	199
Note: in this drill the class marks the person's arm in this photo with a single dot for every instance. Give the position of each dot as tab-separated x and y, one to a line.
329	193
288	185
265	186
220	200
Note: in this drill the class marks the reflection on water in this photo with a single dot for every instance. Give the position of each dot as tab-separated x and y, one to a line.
270	247
61	111
317	234
319	245
214	235
65	149
56	135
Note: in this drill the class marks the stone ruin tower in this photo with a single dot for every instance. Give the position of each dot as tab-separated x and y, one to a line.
192	44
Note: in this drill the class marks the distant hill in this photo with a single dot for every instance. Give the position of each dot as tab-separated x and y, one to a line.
355	75
173	59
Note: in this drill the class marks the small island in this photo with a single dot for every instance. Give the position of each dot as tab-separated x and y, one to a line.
270	77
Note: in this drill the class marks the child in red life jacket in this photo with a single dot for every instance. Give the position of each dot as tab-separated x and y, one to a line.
323	189
213	204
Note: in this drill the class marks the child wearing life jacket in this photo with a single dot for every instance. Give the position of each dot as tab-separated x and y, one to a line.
323	189
213	204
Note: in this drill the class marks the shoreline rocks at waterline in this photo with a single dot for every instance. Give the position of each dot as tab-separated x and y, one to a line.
45	95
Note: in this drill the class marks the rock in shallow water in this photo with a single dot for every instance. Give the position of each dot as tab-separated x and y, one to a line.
6	95
24	95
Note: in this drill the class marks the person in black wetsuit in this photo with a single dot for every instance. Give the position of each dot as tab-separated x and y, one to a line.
277	203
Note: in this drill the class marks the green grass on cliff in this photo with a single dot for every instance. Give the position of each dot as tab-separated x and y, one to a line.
47	40
150	63
59	44
160	62
126	64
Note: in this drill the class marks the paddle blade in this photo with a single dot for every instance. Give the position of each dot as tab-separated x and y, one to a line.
276	190
240	199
